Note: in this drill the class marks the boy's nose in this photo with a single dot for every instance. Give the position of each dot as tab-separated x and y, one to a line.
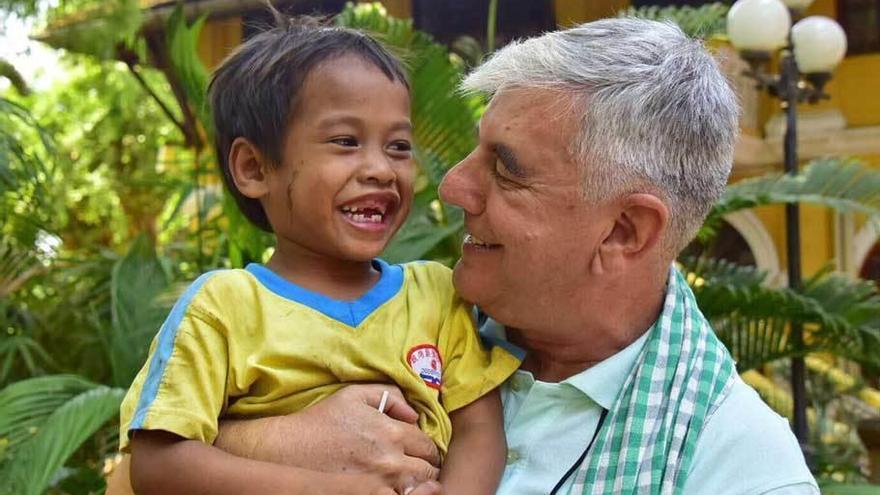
377	169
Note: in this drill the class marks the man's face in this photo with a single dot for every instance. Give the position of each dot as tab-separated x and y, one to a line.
532	236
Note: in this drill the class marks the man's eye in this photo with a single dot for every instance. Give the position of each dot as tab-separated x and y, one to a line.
344	141
500	177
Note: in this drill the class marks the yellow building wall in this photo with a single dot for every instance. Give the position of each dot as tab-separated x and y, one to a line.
853	87
218	38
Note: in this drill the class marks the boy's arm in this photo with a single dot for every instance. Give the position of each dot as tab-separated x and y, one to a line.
166	464
477	452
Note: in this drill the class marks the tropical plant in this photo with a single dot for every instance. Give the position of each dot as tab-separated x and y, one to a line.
704	21
840	315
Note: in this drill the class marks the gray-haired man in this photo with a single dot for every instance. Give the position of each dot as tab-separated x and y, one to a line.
600	154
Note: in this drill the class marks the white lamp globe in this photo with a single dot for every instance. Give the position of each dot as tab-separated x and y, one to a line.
758	25
819	44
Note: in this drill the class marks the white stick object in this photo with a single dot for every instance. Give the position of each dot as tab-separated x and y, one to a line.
383	401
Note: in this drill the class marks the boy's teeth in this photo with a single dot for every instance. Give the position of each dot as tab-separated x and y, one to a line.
364	218
357	209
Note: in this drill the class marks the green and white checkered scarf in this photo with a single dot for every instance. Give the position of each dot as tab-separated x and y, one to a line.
647	442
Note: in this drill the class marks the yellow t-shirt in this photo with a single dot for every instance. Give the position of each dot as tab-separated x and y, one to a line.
248	343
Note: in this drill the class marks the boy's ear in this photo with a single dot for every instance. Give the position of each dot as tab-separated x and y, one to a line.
248	168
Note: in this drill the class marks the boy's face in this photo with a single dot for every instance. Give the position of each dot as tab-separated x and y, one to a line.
345	183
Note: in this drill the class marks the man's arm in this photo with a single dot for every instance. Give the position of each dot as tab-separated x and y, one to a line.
344	432
478	448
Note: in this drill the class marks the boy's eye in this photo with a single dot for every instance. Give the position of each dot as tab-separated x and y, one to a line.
401	146
344	141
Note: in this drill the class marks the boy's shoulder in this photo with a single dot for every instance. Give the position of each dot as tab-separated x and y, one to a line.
430	270
220	285
429	276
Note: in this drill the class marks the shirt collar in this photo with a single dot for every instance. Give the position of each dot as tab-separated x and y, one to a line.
601	382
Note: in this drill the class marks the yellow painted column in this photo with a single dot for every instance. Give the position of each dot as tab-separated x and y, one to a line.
402	9
218	38
570	12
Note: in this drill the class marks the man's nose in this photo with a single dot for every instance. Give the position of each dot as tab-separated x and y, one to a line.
461	187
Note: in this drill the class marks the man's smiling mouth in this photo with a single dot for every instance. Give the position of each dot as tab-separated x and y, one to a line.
473	240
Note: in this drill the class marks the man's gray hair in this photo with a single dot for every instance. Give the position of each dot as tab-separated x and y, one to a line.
656	114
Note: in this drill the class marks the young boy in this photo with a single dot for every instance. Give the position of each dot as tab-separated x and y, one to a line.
314	139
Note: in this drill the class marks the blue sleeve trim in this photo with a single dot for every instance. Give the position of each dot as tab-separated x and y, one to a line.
493	334
164	349
351	313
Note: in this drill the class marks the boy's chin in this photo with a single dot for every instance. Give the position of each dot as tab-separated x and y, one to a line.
365	254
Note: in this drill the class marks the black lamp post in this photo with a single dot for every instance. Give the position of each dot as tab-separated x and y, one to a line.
809	52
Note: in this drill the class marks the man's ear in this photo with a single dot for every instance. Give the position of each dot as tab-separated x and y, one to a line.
248	168
640	225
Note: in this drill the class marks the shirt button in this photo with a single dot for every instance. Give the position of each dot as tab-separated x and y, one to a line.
512	456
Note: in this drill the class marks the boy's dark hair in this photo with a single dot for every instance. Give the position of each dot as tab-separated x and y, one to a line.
253	93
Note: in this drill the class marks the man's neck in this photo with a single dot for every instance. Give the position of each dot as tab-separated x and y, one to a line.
555	354
333	277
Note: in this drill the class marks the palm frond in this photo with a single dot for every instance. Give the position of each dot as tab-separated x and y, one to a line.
138	279
46	419
28	173
754	321
844	185
705	21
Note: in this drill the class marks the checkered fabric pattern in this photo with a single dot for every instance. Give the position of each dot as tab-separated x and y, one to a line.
684	372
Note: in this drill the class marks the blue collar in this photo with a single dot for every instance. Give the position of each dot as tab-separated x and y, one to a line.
351	313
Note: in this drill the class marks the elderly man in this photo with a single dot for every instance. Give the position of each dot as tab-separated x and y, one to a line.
600	154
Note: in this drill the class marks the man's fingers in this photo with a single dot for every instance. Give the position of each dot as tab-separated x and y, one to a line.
417	444
418	472
395	405
428	488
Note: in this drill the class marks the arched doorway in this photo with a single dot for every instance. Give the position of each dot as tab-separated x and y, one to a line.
870	269
743	239
728	244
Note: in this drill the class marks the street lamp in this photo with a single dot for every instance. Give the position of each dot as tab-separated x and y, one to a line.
809	51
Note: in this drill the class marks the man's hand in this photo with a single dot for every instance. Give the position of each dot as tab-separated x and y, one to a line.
344	433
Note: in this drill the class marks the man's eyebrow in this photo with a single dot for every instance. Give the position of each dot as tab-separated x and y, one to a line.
508	159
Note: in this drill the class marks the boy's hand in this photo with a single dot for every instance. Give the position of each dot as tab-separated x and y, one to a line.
344	432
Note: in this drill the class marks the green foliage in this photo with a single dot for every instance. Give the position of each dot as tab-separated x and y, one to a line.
704	21
45	420
29	201
834	488
845	185
841	316
92	27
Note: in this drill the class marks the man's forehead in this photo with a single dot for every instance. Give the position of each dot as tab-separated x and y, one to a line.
536	112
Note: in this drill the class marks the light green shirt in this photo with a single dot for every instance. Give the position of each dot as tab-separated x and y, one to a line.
744	449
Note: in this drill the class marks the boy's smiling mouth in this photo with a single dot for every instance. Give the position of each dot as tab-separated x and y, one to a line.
371	212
